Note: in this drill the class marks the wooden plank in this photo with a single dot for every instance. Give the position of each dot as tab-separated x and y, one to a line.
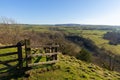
12	46
48	62
40	54
8	61
39	46
7	54
55	56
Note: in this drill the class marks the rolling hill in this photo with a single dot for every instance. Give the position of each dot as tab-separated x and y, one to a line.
69	68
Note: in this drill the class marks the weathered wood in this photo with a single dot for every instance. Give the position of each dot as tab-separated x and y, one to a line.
48	62
40	54
12	46
28	52
55	56
7	54
56	49
19	47
8	61
22	42
47	46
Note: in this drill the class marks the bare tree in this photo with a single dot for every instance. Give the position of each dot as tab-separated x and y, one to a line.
109	60
10	30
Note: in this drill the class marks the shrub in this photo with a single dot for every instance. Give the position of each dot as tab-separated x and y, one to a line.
84	55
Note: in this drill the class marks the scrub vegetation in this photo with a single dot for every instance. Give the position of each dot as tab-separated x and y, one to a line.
91	45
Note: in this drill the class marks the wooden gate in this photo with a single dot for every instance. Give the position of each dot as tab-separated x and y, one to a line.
19	57
50	52
11	58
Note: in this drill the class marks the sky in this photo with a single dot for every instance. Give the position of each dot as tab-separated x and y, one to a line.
98	12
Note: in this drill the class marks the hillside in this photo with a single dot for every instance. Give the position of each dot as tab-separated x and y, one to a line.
69	68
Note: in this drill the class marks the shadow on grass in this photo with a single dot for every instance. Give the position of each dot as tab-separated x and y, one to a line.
13	73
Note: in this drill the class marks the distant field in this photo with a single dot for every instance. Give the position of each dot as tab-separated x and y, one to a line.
97	37
37	28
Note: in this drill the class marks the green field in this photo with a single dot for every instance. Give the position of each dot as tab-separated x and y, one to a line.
68	68
72	69
97	37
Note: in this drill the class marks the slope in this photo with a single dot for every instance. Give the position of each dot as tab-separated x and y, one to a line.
69	68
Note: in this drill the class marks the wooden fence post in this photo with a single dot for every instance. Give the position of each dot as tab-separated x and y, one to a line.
47	50
28	52
55	56
20	59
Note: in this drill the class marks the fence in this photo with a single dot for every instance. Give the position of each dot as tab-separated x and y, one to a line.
7	66
50	53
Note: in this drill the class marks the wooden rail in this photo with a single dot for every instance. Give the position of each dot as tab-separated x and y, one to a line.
48	62
8	61
12	46
39	46
41	54
7	54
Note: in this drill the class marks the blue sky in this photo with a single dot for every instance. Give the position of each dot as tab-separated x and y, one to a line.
105	12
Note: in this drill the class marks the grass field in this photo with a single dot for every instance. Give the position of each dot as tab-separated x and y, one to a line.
72	69
68	68
97	37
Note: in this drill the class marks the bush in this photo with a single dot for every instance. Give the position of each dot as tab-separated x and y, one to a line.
84	55
69	48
